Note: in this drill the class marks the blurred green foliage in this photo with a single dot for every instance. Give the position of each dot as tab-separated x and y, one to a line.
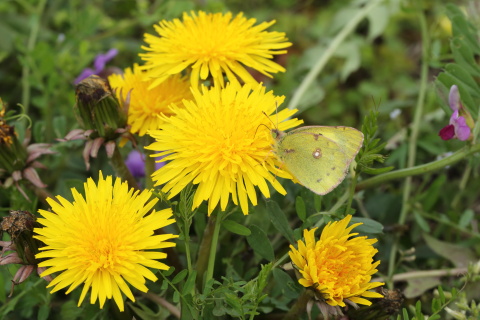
46	44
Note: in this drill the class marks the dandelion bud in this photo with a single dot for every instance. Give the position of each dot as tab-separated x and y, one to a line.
13	155
98	109
19	225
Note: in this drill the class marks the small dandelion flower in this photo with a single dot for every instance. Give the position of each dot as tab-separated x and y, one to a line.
222	142
145	106
213	44
103	240
339	266
460	121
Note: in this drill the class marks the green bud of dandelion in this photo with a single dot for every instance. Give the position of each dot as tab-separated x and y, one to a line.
13	155
98	109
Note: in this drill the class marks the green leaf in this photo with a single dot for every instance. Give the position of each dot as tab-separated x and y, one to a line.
418	311
433	192
459	256
301	208
378	19
260	243
43	312
422	223
286	284
463	76
236	227
368	226
180	276
417	286
190	283
466	218
279	220
464	56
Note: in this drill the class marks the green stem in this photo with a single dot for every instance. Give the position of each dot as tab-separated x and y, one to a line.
421	169
213	249
332	48
204	250
412	145
351	193
32	39
149	164
121	169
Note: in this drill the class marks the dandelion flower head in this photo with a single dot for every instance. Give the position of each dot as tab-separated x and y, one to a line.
146	105
213	44
339	266
222	142
103	240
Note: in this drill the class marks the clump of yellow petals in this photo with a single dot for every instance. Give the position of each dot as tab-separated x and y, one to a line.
339	265
146	105
103	241
213	44
222	142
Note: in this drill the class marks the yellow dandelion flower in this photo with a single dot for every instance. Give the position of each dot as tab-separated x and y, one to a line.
222	142
213	44
146	106
103	241
339	266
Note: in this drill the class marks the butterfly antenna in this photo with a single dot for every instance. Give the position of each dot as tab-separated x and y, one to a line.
261	124
276	113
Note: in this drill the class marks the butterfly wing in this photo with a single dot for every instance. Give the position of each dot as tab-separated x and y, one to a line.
318	156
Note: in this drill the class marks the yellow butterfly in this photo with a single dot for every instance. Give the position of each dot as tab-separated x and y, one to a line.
318	156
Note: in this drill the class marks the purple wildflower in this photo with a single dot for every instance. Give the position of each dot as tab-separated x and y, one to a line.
136	164
99	64
457	128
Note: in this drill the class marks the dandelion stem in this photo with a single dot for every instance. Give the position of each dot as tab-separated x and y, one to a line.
121	169
420	169
204	250
330	51
149	164
213	249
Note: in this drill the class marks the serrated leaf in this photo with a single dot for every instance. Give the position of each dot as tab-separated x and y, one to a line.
180	276
279	220
236	227
260	243
301	208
